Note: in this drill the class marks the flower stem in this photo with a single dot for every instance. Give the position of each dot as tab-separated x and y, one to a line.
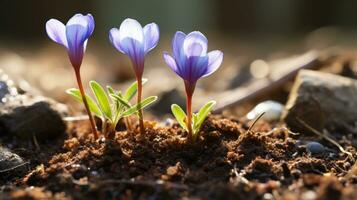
189	115
189	93
80	85
140	112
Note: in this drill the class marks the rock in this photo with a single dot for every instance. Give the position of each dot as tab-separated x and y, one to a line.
11	165
7	88
271	109
321	100
315	148
26	116
167	98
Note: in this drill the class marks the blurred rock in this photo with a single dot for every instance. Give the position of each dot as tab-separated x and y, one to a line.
7	87
26	116
321	100
11	165
315	148
167	98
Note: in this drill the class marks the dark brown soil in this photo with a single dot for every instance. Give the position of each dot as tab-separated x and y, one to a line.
227	162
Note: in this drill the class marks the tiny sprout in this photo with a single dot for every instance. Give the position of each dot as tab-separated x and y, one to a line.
135	41
191	62
111	106
74	37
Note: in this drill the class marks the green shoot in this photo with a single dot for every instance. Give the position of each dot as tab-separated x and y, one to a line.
198	118
110	105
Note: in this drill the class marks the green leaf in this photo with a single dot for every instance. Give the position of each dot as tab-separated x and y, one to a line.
102	99
110	90
121	100
93	107
203	113
144	103
133	88
179	114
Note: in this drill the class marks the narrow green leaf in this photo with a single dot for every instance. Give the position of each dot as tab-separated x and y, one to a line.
203	113
121	100
110	90
144	103
133	88
102	99
180	115
93	107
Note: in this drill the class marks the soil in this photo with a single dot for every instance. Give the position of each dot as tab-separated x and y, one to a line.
227	162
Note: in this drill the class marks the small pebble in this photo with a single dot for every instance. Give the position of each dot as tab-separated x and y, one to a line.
268	196
272	110
315	148
309	195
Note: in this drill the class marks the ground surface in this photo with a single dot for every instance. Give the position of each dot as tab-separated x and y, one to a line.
228	162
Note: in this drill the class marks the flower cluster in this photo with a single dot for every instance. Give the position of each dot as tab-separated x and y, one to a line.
190	60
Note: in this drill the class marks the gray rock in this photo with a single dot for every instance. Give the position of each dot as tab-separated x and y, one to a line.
11	165
26	116
167	98
315	148
321	100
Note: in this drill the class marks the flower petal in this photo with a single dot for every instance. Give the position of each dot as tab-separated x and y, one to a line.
195	44
170	61
197	67
91	23
114	39
131	28
56	31
215	59
78	29
151	36
177	44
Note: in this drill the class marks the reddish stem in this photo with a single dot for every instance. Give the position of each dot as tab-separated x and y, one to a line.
80	85
189	93
140	112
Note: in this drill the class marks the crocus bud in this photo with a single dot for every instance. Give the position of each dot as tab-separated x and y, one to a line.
135	41
190	58
74	35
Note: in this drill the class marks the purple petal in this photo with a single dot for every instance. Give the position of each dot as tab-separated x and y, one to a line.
131	28
215	59
196	67
56	31
170	61
91	23
78	29
177	43
195	44
114	39
129	39
151	36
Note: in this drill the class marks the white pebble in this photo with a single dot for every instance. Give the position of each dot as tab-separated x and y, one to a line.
272	110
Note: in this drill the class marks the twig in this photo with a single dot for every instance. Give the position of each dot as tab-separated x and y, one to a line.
145	183
255	121
309	60
239	177
13	168
76	118
326	137
37	145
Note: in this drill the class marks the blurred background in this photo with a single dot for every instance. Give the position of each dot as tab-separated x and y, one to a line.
246	31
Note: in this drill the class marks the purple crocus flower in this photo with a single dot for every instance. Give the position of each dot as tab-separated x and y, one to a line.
74	36
190	58
191	62
135	41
